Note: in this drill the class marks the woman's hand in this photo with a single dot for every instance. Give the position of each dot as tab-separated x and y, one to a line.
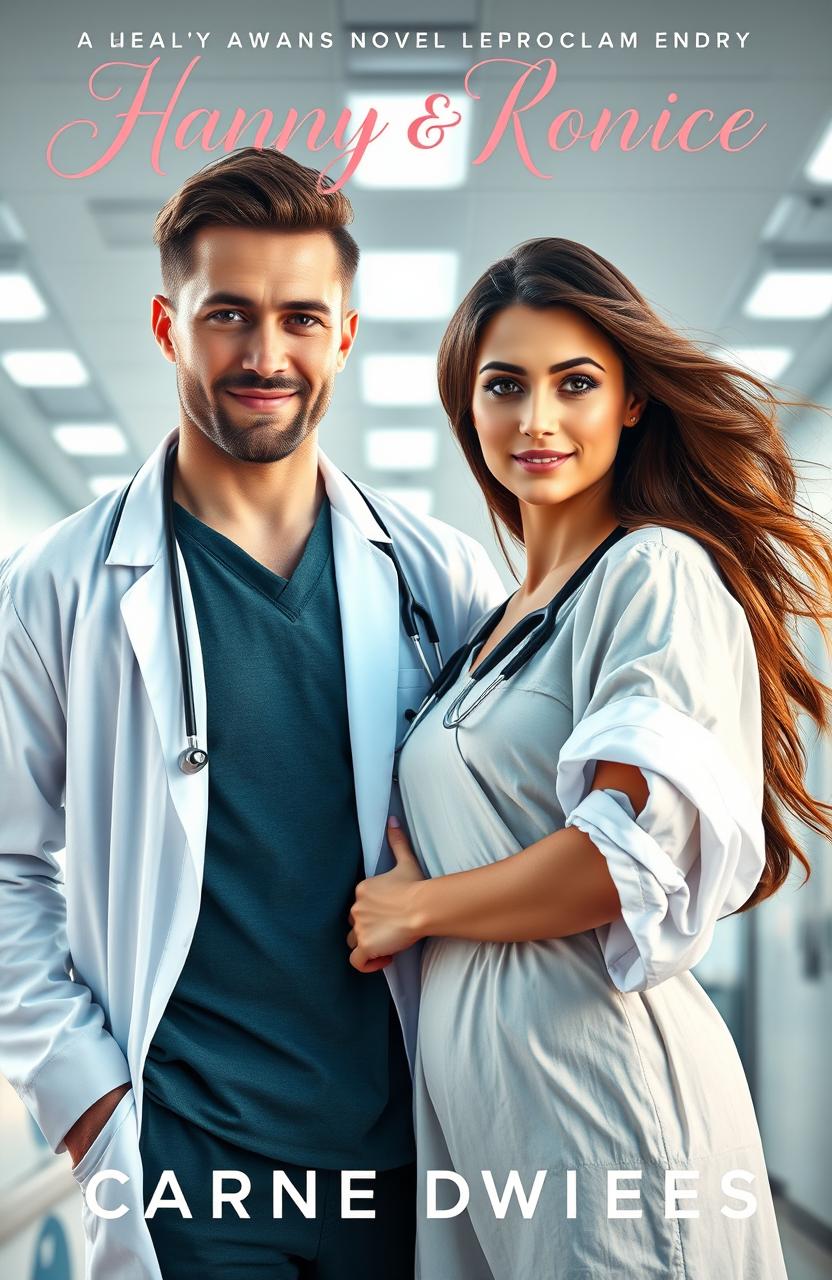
383	917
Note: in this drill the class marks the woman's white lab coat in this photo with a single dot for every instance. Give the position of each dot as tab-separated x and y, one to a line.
598	1052
91	726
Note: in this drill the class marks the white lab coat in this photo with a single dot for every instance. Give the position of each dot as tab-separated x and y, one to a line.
91	725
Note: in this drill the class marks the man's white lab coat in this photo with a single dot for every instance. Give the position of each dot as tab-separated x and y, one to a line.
91	726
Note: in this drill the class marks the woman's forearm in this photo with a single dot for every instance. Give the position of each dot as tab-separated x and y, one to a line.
552	889
559	886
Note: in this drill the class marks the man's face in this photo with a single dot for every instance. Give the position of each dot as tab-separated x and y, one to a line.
258	332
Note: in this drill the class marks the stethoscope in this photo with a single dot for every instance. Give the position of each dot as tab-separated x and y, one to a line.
531	633
193	757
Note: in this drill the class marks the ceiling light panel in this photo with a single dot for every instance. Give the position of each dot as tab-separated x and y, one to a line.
401	449
417	285
796	294
90	440
819	168
45	368
19	297
398	380
766	362
391	161
11	232
100	485
417	500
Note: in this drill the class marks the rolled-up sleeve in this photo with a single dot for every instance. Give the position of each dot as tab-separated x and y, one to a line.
666	679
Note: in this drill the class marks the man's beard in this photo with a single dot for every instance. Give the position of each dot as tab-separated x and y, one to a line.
263	439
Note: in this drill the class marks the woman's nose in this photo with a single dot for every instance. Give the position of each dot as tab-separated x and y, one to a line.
540	416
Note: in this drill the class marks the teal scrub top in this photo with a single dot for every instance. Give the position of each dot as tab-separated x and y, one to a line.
271	1040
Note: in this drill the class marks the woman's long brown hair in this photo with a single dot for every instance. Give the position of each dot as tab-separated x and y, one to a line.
707	458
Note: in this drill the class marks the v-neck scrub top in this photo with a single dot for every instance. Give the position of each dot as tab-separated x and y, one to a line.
271	1040
600	1051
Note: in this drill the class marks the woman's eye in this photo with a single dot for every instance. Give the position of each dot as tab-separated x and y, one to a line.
578	384
502	387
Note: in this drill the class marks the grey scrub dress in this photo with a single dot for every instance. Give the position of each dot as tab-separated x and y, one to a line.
598	1058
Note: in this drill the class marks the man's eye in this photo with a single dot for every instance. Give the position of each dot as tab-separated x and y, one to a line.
216	315
301	318
502	387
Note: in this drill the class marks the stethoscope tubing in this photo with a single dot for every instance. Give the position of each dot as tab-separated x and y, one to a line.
533	631
194	758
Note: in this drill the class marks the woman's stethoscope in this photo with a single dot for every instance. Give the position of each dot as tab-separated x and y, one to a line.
531	633
194	757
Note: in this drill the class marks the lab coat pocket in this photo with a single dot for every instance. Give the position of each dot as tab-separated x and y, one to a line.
93	1156
412	676
118	1242
411	688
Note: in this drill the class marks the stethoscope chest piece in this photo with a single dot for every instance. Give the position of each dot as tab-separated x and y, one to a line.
193	758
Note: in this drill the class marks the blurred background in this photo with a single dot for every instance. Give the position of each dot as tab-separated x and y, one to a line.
736	250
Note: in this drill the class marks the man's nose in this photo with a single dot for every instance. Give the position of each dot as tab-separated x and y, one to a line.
267	350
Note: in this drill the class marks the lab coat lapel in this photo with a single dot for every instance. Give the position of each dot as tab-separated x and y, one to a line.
148	618
368	597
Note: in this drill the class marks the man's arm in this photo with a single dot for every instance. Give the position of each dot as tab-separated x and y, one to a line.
54	1048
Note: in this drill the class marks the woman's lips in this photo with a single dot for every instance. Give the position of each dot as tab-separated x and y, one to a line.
541	462
264	403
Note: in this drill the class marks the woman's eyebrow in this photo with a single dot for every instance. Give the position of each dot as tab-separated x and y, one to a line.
555	368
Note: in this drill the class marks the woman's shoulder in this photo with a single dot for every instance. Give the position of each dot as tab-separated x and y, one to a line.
665	585
655	569
661	549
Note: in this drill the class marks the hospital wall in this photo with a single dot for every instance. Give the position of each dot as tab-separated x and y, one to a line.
791	971
26	505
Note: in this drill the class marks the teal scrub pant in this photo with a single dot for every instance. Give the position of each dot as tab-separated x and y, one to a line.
262	1247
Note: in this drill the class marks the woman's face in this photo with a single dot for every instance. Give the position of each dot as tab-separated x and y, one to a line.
549	403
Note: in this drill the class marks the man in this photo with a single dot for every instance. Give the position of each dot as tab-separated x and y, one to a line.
185	1001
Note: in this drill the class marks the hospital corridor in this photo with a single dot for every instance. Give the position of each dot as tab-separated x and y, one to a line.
736	256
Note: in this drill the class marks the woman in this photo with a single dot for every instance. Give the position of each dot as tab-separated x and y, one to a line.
585	820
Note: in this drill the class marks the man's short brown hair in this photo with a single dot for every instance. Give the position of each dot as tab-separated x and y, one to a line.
263	189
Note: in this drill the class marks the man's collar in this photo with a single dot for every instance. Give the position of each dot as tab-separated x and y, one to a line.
139	538
345	499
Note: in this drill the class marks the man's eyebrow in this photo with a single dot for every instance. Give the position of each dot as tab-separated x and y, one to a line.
223	299
555	368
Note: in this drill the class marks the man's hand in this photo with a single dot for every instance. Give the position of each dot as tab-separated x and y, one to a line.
384	916
87	1127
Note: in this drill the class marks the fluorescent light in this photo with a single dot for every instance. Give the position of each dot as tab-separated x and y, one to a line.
45	368
90	439
19	299
398	379
419	501
106	484
401	448
11	231
791	295
819	168
766	362
407	286
391	160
